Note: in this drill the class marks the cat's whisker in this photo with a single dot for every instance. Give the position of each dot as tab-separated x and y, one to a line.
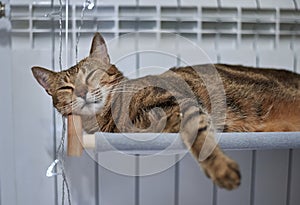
115	90
126	89
123	92
124	86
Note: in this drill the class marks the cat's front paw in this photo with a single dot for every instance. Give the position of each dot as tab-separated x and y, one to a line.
223	171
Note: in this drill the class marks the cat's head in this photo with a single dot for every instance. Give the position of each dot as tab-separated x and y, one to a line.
83	88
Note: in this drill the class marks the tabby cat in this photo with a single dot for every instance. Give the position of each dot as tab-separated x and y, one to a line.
177	101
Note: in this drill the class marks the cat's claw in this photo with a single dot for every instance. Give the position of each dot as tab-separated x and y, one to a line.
224	172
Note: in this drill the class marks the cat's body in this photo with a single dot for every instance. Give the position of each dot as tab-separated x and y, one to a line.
257	100
178	101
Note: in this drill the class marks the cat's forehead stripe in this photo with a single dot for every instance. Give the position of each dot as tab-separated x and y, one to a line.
67	74
67	79
89	75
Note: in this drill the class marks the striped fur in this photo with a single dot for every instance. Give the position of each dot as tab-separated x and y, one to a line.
178	101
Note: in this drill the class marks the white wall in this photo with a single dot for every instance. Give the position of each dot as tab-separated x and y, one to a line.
7	152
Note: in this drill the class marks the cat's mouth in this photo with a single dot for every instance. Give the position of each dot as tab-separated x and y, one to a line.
90	104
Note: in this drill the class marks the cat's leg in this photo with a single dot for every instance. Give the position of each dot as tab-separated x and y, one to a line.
201	142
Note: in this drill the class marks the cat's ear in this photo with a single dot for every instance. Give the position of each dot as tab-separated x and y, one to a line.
98	49
45	78
112	70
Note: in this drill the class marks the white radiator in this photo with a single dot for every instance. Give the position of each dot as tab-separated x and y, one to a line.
262	33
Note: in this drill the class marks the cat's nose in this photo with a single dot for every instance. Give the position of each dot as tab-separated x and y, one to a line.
81	91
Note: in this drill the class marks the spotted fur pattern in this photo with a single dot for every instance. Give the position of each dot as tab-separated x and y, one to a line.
178	101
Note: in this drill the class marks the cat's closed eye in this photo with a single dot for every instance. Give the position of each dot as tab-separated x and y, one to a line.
66	88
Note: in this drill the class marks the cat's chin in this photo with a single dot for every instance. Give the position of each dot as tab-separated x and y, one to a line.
90	109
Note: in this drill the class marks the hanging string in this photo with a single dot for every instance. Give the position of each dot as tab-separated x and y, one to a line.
60	35
60	153
61	148
89	4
